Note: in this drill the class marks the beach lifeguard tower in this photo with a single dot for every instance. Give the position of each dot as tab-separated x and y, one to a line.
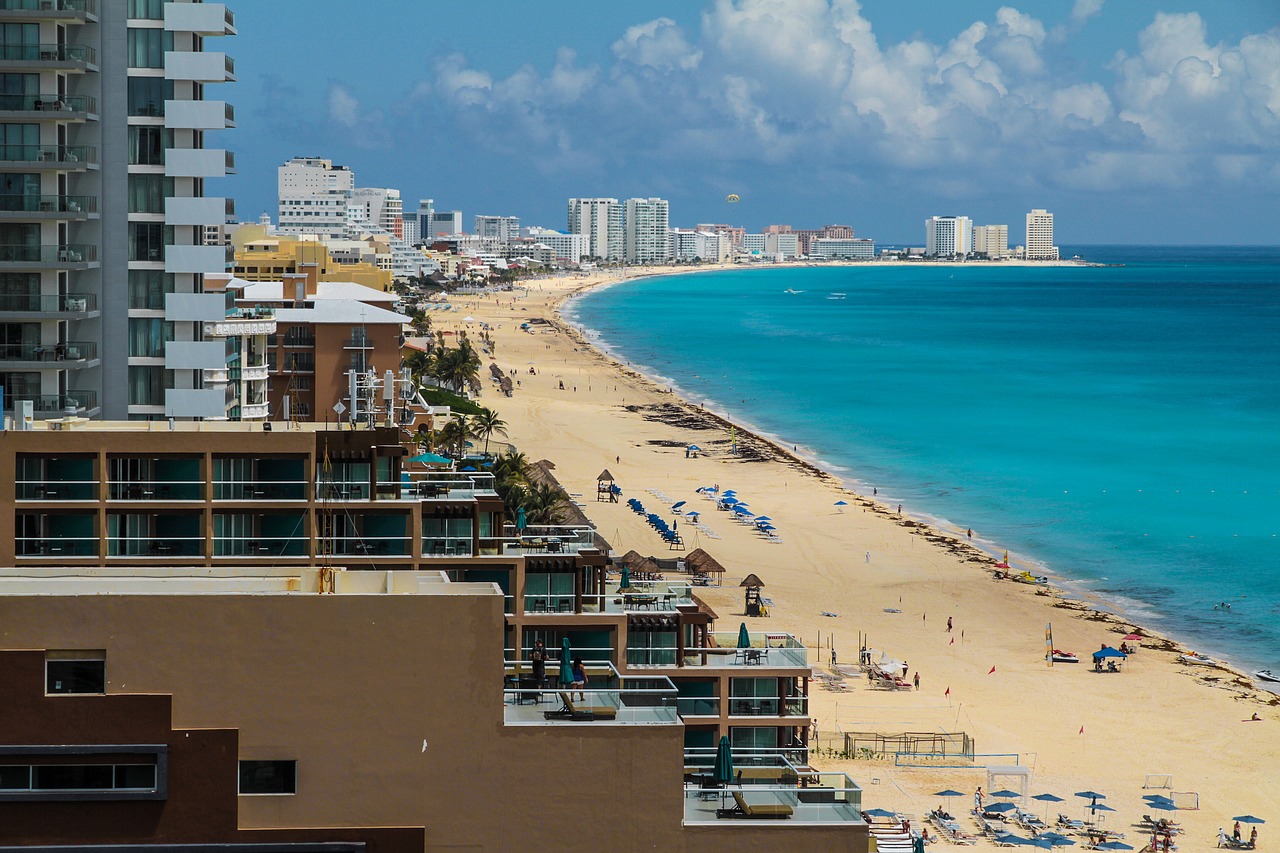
753	606
606	490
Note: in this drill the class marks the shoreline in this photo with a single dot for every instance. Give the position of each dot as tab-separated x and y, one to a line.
1062	585
916	571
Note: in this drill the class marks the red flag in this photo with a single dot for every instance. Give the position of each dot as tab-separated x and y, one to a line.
948	693
1082	730
993	669
953	641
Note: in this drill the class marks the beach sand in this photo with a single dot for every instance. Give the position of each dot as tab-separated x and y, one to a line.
897	584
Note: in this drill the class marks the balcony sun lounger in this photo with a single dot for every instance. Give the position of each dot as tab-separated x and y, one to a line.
745	808
581	711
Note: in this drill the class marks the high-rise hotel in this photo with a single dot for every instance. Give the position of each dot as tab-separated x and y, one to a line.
103	123
1040	236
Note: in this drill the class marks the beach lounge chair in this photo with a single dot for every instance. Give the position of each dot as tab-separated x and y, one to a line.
759	806
581	711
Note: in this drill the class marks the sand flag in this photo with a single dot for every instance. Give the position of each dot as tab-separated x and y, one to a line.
993	669
1082	730
948	693
953	641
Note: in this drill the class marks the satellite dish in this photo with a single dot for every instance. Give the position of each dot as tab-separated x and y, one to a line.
732	198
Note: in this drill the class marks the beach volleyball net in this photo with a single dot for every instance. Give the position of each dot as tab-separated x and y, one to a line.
1159	781
942	747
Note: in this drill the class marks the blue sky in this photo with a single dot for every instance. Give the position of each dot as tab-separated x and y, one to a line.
1145	121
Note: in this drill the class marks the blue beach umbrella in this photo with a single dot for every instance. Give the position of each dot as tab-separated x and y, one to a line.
1112	845
1091	795
999	807
1053	839
840	505
1047	798
566	669
1100	807
880	813
694	515
1004	794
763	518
1248	818
430	459
1015	840
678	504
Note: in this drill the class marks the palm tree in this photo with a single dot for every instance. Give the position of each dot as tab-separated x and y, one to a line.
486	424
542	503
455	433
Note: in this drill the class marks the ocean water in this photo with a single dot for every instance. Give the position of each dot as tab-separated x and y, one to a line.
1118	426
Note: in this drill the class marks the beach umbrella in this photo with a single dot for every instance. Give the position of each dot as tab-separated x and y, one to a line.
948	793
521	523
724	761
566	670
1047	798
763	518
693	447
1016	840
730	492
430	459
625	583
744	637
1100	807
741	509
840	505
1091	795
766	526
880	813
1112	845
1053	839
1005	794
728	501
678	504
1133	636
1163	804
1108	652
694	515
999	807
1248	818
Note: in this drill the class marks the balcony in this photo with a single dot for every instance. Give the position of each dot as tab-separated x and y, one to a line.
58	207
56	547
198	163
149	546
260	546
195	259
70	11
256	374
618	700
298	364
255	411
767	784
57	405
259	490
205	19
71	256
156	490
71	355
544	539
641	597
198	66
198	115
51	107
698	706
357	344
62	158
69	306
47	57
195	210
774	651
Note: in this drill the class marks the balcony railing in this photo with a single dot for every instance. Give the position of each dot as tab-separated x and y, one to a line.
57	490
768	650
48	53
260	546
808	798
48	154
13	203
368	546
342	490
48	103
446	546
259	490
768	706
71	303
70	253
57	546
591	656
156	490
147	546
357	343
642	596
68	352
50	403
634	701
81	6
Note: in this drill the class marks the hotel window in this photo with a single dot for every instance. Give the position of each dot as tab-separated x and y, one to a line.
147	240
148	287
147	10
148	384
148	335
268	777
148	144
147	193
75	672
148	94
146	47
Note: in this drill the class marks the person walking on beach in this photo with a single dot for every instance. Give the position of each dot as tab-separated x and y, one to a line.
948	624
917	681
868	556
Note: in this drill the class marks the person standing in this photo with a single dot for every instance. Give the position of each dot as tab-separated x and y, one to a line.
539	659
868	556
948	624
1235	833
917	680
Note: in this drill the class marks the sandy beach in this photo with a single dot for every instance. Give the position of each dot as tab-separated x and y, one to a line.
839	574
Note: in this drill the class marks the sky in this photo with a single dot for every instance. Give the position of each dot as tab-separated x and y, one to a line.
1133	121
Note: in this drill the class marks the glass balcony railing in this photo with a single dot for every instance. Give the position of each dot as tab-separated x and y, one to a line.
698	706
59	403
813	798
57	546
446	546
768	706
73	204
633	701
641	596
72	303
445	485
548	603
81	6
368	546
82	54
70	253
146	546
57	490
72	351
591	656
771	650
259	490
48	154
260	546
50	103
156	490
546	539
342	490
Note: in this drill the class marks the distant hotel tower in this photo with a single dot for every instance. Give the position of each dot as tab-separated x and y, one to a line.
1040	236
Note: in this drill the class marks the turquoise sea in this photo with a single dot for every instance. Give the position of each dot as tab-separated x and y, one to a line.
1118	426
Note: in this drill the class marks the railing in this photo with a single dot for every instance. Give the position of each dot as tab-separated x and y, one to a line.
299	341
446	546
155	490
260	313
15	203
70	253
230	65
74	303
768	706
634	702
546	539
445	486
57	546
260	546
368	546
49	153
72	351
48	53
698	706
146	546
82	6
230	113
822	798
342	490
259	490
57	490
766	650
229	160
548	603
792	759
591	656
48	403
357	343
48	103
298	365
659	596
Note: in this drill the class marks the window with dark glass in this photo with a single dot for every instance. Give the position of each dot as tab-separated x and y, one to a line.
146	10
147	240
146	47
148	94
148	144
147	193
268	777
75	676
148	287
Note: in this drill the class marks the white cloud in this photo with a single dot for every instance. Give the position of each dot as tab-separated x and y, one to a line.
344	108
659	44
1083	10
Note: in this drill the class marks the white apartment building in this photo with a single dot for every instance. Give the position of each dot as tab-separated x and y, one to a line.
1040	236
753	244
786	246
411	231
565	248
991	240
646	226
947	236
313	194
377	206
443	223
690	245
599	221
833	248
502	229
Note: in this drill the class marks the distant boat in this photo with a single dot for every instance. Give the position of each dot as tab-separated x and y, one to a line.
1266	675
836	296
789	290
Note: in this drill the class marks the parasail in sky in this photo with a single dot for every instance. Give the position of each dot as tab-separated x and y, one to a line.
732	198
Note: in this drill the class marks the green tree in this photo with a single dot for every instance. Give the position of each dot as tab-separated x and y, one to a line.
486	424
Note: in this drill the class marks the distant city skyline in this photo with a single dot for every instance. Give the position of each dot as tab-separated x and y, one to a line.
1153	121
